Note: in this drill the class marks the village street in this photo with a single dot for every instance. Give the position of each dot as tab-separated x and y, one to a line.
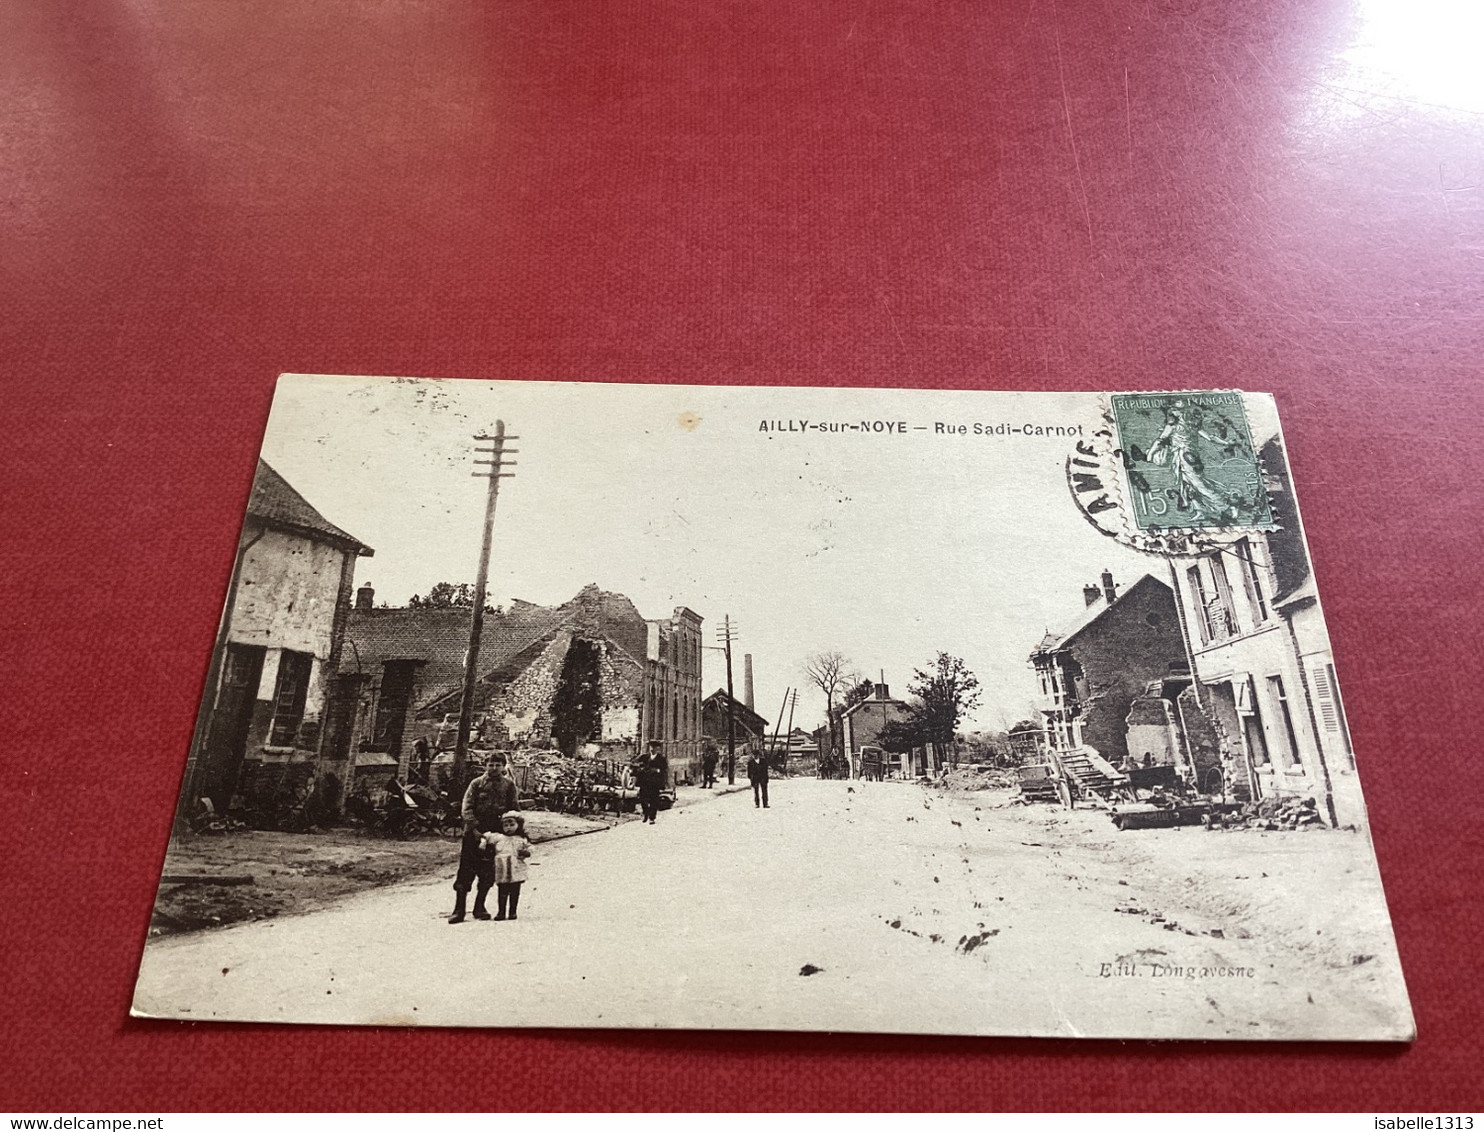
845	906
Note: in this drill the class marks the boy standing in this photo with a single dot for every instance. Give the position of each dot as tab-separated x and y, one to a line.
488	798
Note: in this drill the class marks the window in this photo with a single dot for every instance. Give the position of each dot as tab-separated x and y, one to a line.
1280	694
1224	615
1252	578
392	704
289	696
1202	603
1251	716
1071	674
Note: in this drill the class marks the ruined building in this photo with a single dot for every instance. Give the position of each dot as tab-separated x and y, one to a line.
670	712
1262	655
263	731
1261	713
590	676
1122	647
749	728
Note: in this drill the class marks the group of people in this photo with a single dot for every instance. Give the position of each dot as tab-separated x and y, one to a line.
495	848
757	774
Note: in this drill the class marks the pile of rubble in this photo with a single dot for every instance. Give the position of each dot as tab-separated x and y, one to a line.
1271	813
977	778
551	780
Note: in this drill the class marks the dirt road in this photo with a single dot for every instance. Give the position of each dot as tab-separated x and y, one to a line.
847	906
289	873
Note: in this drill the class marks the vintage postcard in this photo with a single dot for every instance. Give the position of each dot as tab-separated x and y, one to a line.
540	704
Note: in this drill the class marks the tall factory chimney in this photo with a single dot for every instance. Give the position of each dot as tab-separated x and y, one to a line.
747	682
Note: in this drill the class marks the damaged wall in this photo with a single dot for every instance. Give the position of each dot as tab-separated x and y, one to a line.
1215	737
287	593
620	683
1136	641
537	705
523	706
577	673
1151	735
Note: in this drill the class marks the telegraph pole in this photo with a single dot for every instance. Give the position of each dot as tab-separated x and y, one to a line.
771	746
496	464
788	736
726	633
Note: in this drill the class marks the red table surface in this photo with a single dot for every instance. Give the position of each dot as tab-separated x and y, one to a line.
1030	194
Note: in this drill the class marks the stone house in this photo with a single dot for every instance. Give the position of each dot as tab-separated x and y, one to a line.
863	723
589	676
1262	656
261	731
1091	674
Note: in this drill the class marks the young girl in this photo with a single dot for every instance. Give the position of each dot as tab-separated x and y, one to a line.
510	848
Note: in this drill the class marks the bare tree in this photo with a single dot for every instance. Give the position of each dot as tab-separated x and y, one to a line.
830	672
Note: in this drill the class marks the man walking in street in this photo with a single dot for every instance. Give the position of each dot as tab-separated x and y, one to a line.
489	796
651	773
757	774
708	767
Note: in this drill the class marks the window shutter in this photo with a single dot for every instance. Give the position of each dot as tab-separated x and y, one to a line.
1324	693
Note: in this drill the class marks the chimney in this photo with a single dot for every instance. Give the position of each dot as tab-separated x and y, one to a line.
883	692
1109	590
1090	594
365	597
747	682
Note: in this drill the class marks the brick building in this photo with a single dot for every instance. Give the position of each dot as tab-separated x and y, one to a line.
1092	672
585	676
863	723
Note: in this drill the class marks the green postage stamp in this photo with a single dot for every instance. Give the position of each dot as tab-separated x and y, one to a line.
1189	461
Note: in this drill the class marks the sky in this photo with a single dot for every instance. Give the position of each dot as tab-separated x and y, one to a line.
888	546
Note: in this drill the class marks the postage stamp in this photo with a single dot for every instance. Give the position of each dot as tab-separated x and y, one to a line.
1189	461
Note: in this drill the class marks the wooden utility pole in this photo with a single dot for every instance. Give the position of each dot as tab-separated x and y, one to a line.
476	622
725	632
772	744
788	736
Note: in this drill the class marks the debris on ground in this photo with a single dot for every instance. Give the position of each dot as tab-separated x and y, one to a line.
978	778
968	943
1271	814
